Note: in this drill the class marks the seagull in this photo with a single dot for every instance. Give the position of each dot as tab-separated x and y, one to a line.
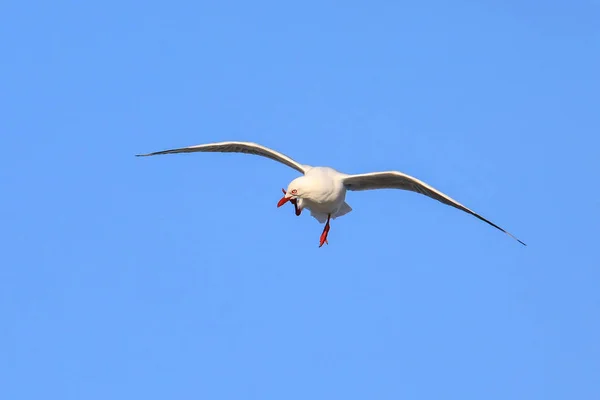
322	190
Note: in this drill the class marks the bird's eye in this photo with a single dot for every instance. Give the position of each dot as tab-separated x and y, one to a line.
294	191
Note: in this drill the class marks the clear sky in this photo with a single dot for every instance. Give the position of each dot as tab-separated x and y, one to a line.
177	277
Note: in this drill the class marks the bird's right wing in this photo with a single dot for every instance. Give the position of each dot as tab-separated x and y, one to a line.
236	147
398	180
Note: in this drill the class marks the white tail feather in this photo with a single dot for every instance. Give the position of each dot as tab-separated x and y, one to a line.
322	217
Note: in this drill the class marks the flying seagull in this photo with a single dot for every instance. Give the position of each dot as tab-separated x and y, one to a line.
322	190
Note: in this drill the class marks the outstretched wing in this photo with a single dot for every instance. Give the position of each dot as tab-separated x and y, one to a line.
236	147
398	180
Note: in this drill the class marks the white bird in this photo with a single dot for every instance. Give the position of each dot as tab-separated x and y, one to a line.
322	190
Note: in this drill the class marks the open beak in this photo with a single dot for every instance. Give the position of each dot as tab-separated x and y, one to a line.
284	199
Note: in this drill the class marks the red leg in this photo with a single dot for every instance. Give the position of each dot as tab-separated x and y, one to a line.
325	232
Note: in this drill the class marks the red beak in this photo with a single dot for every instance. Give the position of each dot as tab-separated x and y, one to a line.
283	199
293	201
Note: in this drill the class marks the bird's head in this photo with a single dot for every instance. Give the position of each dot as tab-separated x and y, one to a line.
295	190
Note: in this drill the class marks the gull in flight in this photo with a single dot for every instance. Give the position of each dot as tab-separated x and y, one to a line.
322	190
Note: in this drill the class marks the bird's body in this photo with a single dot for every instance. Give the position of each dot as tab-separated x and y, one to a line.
322	190
324	193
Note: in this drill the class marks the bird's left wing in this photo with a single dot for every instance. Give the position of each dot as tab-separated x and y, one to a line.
398	180
236	147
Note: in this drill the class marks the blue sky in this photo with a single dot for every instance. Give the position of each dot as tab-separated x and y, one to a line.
177	276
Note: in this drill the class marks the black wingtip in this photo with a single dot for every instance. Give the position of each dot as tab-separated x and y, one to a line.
520	241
